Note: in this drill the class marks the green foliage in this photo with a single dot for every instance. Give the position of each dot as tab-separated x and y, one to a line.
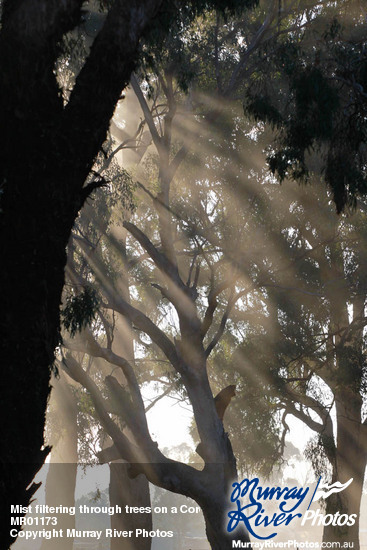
312	93
260	108
90	433
352	363
79	310
118	182
175	16
252	418
282	325
181	41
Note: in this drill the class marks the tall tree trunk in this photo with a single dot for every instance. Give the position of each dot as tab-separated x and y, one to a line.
218	538
46	153
215	505
131	492
61	477
351	458
31	286
123	490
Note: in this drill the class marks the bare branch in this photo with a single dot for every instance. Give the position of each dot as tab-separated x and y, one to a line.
157	140
111	59
109	455
164	394
290	396
231	302
160	260
126	449
142	322
301	415
191	268
166	473
182	297
108	330
220	330
177	160
212	305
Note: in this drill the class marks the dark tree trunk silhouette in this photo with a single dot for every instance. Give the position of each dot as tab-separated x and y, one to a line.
132	492
47	151
350	462
62	472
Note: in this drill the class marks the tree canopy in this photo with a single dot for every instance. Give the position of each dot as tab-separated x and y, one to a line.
313	93
217	83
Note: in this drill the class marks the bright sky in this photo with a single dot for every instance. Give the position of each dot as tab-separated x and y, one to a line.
169	423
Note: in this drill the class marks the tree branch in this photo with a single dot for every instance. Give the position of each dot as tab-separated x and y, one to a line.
311	403
301	415
177	160
166	392
112	59
142	322
157	140
212	305
233	82
177	293
127	450
94	349
160	260
40	20
168	474
231	302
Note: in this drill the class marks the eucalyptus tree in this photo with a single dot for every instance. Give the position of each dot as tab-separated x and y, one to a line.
47	153
170	256
90	244
300	333
299	330
62	434
307	342
315	102
313	93
165	264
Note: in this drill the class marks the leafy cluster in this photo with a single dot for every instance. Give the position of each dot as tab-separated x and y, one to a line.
315	100
80	310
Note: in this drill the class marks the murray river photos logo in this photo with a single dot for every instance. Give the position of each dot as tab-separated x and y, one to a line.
250	500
